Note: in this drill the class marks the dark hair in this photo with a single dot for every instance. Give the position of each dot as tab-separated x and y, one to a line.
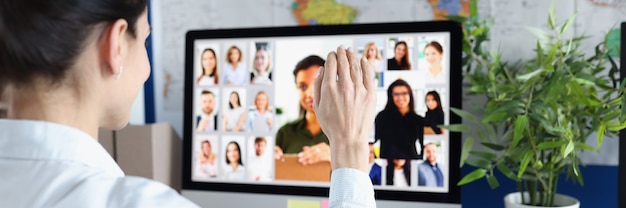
238	100
435	45
213	74
404	62
406	169
390	105
259	139
43	38
238	149
206	92
312	60
437	99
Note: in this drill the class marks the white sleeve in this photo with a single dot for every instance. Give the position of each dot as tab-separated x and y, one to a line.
350	188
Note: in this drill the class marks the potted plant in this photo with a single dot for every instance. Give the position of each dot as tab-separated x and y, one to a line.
538	114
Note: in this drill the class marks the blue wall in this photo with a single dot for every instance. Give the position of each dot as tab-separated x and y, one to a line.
600	189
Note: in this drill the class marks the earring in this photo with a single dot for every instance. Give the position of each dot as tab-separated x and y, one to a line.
119	73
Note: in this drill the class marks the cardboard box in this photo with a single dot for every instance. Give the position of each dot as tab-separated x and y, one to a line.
152	151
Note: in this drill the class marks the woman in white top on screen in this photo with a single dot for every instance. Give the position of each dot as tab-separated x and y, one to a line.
64	89
209	75
372	53
235	169
262	69
235	69
260	119
234	115
206	161
435	73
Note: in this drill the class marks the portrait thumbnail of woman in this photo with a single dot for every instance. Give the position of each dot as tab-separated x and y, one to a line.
209	74
401	59
434	114
434	73
260	118
372	53
397	126
398	172
235	68
234	117
207	167
304	135
235	169
261	67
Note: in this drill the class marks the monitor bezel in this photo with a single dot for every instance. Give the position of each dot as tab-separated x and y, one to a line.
454	191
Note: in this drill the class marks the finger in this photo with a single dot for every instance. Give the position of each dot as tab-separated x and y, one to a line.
343	66
355	71
317	90
368	74
330	70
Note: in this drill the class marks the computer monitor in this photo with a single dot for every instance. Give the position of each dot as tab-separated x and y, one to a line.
249	126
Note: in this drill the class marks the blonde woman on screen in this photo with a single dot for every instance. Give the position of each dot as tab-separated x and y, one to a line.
262	69
260	119
206	161
372	53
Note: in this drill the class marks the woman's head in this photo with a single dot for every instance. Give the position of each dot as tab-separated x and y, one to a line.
371	52
234	55
262	62
234	100
209	63
261	101
433	101
401	50
433	52
233	153
79	48
400	96
206	147
305	73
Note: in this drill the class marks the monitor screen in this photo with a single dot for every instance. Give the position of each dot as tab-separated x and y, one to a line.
249	125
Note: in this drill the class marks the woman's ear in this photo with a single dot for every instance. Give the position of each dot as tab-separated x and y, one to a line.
113	47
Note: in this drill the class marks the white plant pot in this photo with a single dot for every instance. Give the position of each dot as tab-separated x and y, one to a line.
514	200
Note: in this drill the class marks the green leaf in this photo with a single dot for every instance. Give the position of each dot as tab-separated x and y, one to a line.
584	146
456	127
540	34
520	125
479	163
485	155
506	171
526	77
550	145
569	23
569	148
464	114
473	176
600	131
467	147
616	126
495	147
493	181
525	161
495	117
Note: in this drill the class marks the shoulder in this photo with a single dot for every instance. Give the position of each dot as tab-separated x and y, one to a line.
124	192
291	125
